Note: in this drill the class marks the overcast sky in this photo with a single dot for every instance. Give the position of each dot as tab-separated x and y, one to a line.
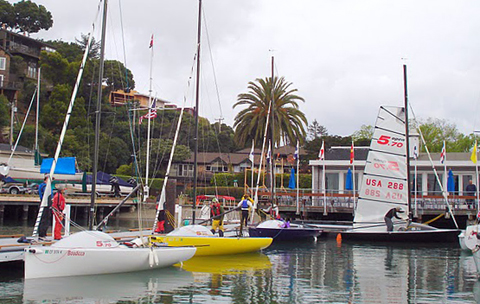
343	56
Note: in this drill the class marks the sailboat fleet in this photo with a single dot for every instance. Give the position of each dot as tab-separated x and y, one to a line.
385	187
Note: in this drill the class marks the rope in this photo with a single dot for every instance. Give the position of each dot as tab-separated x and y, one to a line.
434	219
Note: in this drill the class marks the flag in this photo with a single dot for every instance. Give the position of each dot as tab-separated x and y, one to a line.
152	112
269	153
251	156
321	154
443	155
295	155
415	152
474	153
151	42
352	154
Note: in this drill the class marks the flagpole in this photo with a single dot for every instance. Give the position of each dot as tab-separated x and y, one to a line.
252	158
353	178
476	170
147	161
445	168
298	174
415	186
322	152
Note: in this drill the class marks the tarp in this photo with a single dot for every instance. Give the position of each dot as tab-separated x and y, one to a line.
65	165
104	179
450	182
291	182
8	179
349	180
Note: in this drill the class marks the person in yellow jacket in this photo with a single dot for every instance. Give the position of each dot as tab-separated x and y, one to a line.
217	213
246	203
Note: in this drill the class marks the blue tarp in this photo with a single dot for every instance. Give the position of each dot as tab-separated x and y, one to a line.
104	179
65	165
291	182
8	179
450	182
349	180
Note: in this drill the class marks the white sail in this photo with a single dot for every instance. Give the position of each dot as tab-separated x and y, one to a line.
384	184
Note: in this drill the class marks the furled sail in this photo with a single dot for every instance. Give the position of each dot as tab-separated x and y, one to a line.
384	183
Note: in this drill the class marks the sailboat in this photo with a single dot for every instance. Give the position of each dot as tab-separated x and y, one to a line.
385	185
93	252
196	235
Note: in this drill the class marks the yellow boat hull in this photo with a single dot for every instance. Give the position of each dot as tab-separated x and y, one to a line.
208	246
227	264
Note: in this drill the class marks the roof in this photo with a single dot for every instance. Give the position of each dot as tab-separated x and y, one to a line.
283	150
21	149
343	153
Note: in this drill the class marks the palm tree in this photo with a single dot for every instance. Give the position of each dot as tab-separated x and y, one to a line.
289	121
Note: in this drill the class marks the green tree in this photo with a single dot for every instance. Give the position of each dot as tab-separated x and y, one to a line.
315	130
7	14
160	154
365	133
31	18
289	122
4	115
435	131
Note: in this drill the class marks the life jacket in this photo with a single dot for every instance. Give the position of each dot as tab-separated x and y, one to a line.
215	210
245	204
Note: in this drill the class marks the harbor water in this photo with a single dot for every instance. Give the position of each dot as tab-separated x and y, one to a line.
321	271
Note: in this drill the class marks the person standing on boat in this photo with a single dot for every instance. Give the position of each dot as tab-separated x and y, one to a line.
391	214
245	204
217	213
57	209
470	190
161	220
45	219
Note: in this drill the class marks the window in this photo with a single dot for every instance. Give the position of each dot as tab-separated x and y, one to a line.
419	183
3	63
32	72
332	182
1	81
432	184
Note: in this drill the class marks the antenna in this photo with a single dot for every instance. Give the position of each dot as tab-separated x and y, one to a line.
220	123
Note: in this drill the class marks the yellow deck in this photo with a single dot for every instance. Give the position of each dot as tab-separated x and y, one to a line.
207	246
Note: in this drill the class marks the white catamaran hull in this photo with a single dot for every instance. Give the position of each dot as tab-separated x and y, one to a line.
105	256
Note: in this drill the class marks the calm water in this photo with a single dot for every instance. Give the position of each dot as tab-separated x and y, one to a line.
311	272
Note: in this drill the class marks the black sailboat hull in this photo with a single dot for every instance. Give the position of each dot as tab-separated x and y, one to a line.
408	236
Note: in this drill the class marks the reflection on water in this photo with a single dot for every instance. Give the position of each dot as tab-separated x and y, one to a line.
310	272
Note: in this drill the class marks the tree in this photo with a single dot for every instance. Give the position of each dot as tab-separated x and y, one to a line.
435	131
315	130
289	122
4	115
94	50
31	18
7	14
365	133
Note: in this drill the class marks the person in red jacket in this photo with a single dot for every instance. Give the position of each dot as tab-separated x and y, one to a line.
58	205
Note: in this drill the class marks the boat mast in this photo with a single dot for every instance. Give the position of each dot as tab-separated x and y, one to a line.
407	136
272	174
97	118
199	31
37	112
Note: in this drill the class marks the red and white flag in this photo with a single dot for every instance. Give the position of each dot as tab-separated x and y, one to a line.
321	154
151	42
352	154
443	155
152	113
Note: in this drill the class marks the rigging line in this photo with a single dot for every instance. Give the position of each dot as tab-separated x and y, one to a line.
211	60
23	125
123	43
444	193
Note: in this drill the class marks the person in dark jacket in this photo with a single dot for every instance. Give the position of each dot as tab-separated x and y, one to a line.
391	214
470	190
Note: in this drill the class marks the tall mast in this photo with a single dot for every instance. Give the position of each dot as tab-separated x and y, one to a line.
38	109
407	135
199	31
97	118
272	174
150	106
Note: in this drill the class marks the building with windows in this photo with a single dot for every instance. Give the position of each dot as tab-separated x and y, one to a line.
337	163
19	61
